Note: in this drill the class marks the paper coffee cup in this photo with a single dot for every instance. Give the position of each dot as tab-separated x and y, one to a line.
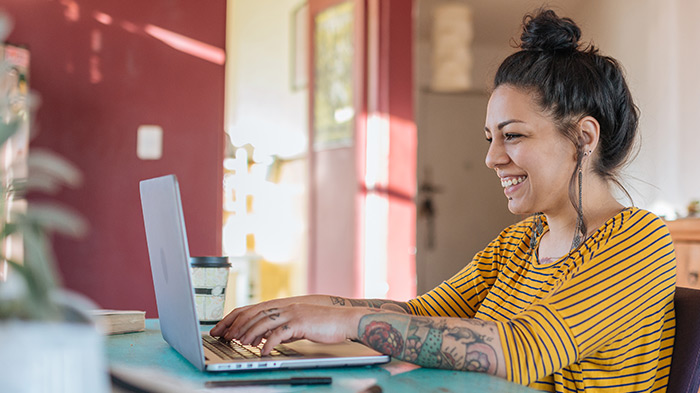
209	278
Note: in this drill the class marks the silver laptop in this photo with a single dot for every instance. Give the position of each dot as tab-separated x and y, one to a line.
169	255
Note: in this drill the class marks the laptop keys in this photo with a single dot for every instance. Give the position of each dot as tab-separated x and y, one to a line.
235	350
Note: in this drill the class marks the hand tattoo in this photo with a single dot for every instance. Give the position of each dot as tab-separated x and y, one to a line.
272	313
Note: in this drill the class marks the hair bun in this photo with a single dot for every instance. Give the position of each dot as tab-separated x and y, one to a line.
545	32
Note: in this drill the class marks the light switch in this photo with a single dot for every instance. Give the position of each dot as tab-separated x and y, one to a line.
149	142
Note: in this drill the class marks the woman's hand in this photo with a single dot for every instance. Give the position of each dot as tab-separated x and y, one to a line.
284	323
242	315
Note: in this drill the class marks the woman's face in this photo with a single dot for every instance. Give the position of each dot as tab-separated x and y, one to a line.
531	157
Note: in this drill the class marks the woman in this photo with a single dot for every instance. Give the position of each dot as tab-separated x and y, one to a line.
577	297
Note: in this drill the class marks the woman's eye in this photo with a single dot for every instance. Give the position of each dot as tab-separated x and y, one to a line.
488	139
510	136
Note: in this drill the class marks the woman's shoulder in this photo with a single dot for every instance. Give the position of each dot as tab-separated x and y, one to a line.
631	224
634	217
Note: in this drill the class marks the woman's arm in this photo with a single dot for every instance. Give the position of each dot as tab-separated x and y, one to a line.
381	304
436	342
243	314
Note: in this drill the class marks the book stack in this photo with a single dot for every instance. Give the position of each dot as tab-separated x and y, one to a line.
119	321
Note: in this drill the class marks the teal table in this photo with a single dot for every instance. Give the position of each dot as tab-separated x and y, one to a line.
148	350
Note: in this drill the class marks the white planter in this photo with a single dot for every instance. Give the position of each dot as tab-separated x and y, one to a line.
38	357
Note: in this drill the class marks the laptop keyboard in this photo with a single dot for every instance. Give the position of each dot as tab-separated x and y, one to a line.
235	350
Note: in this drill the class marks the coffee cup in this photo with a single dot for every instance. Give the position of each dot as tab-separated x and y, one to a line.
210	278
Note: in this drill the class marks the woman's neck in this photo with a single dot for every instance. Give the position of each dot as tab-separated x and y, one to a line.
598	206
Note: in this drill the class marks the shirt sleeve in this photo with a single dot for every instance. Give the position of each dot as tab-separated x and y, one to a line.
461	295
624	284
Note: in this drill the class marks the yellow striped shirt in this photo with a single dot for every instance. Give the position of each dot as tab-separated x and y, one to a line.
600	319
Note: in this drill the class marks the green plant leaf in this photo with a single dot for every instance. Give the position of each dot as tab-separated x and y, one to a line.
47	166
51	218
7	129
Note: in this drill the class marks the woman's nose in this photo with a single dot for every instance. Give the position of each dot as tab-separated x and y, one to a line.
496	154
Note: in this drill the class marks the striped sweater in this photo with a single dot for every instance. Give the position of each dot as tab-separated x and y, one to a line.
600	319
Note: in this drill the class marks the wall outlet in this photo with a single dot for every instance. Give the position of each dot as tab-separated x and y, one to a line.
149	142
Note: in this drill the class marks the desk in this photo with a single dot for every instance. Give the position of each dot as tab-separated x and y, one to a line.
148	349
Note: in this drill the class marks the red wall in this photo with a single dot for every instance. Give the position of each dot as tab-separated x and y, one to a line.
94	96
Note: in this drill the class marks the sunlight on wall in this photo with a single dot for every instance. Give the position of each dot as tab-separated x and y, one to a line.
259	207
262	108
265	219
266	119
376	207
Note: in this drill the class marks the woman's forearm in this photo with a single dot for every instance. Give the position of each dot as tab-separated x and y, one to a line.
448	343
380	304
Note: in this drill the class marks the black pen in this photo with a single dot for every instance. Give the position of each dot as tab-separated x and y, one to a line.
259	382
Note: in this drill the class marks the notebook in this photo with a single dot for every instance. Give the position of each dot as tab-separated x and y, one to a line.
169	255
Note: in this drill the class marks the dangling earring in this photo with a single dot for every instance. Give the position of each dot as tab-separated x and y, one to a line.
577	237
579	221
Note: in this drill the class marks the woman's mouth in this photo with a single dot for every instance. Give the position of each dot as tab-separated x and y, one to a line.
512	181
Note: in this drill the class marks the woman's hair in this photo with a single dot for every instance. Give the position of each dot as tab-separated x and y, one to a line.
570	82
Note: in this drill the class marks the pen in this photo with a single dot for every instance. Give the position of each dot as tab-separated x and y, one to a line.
259	382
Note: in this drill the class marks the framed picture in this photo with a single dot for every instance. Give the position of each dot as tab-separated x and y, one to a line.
299	54
333	95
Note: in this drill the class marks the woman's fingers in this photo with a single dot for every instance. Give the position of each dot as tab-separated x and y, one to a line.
236	322
292	322
220	328
230	326
282	334
243	326
264	322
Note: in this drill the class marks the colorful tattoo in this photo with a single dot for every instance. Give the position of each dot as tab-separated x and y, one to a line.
449	343
384	338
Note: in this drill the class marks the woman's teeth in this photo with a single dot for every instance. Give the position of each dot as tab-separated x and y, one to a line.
512	182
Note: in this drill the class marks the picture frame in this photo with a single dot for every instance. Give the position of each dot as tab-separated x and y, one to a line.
333	90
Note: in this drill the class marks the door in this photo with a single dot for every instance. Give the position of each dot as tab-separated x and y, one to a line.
461	206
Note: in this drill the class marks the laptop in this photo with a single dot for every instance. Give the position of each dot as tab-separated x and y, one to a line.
169	255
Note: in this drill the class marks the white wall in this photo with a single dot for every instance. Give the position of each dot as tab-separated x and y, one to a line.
261	107
263	111
655	41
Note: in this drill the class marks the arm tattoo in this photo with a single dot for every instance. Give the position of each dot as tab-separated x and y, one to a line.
379	304
387	305
449	343
337	301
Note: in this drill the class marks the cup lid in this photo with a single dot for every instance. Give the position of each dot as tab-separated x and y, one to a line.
209	262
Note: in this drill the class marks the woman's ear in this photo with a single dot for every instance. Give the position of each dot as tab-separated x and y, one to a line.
590	133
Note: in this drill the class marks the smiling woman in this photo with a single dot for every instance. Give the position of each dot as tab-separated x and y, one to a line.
576	297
